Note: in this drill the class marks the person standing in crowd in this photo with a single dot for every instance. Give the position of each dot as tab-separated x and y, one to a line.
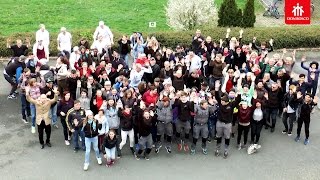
164	124
43	105
101	118
126	124
290	105
64	40
124	48
43	35
183	125
12	73
48	91
90	129
313	75
85	96
225	117
304	116
244	116
110	142
106	34
23	82
19	49
74	119
272	105
200	125
144	130
41	52
64	105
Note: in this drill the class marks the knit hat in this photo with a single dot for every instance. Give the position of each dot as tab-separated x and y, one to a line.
89	112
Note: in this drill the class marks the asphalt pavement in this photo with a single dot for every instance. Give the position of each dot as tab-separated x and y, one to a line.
279	158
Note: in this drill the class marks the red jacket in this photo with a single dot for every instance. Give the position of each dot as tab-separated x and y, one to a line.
245	115
149	99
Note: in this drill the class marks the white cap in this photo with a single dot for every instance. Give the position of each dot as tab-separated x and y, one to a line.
89	112
101	23
63	29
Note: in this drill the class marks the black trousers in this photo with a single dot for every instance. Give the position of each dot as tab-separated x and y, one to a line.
306	122
256	127
47	129
65	128
245	130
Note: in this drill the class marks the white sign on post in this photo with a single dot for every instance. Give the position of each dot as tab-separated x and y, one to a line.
152	24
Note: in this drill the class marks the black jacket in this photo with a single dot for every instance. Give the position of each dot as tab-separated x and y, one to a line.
109	143
89	131
291	100
184	110
126	120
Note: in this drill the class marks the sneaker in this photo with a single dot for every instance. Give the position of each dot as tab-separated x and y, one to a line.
168	148
33	129
306	142
49	144
193	151
146	157
69	138
297	139
186	147
67	143
204	151
41	146
225	154
217	153
56	126
239	146
80	139
75	150
137	156
179	147
25	121
272	130
99	161
11	97
284	132
85	166
215	138
158	149
209	140
289	133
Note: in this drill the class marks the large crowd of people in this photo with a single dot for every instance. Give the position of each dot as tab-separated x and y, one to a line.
159	96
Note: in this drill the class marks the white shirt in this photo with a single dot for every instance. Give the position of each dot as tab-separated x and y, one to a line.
106	34
73	59
135	77
100	45
65	41
44	35
105	126
195	63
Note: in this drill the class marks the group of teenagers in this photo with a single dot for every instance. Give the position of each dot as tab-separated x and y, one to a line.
208	91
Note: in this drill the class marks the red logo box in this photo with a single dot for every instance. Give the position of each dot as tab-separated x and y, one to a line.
297	11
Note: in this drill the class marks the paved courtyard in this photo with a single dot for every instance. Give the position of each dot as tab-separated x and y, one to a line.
279	158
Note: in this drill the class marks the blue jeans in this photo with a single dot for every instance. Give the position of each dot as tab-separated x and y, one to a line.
53	114
111	153
33	114
125	57
94	142
212	126
76	134
25	106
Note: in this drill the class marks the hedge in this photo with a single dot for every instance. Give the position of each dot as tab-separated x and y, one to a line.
284	37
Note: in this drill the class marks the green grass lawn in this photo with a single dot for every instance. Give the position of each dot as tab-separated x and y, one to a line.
121	15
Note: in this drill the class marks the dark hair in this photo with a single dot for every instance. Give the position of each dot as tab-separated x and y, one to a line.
63	100
315	63
302	75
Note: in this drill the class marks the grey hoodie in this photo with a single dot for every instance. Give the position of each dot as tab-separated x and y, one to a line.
202	115
164	113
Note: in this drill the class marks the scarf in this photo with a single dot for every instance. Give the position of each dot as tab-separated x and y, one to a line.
90	121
